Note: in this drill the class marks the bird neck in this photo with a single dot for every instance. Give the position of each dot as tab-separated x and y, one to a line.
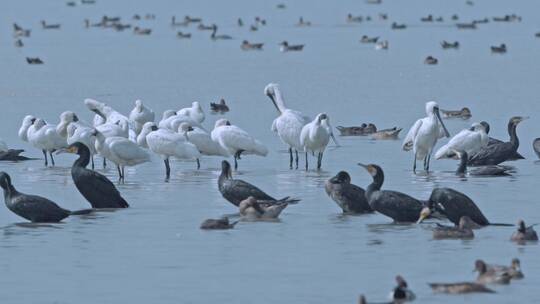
83	160
375	186
513	135
280	104
9	191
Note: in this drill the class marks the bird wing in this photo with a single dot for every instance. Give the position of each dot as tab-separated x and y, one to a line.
244	190
411	135
492	155
37	205
127	150
98	188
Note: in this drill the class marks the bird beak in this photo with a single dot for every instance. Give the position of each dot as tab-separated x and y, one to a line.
363	166
67	150
423	214
446	133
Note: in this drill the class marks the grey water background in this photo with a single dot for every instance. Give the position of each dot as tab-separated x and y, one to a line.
155	252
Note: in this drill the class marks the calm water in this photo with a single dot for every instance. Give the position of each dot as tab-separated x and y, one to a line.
154	251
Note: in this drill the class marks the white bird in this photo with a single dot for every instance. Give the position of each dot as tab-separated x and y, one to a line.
424	134
288	125
469	140
195	112
315	137
167	143
44	137
236	141
121	151
66	118
141	115
202	140
172	122
27	122
110	115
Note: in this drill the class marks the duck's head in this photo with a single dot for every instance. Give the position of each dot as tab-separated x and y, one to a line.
521	226
480	266
516	264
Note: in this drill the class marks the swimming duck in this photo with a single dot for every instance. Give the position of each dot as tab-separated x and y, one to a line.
460	288
401	292
490	170
349	197
215	36
240	22
281	6
464	113
252	209
429	18
219	107
391	133
34	60
481	21
514	270
396	26
381	45
490	276
363	129
182	35
203	27
354	19
140	31
501	49
466	26
285	47
302	22
247	46
524	233
366	39
462	231
49	26
450	45
431	60
218	224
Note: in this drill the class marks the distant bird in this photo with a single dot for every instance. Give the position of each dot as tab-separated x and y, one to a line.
466	26
286	47
142	31
236	141
450	45
46	26
218	224
215	36
501	49
536	146
462	231
289	124
315	136
381	45
460	288
195	112
430	60
524	233
18	31
237	190
362	130
252	209
497	153
7	154
485	20
281	6
464	113
302	22
491	170
19	43
514	270
401	292
398	206
240	22
247	46
429	18
183	35
34	208
141	115
424	134
175	23
219	107
490	276
354	19
391	133
96	188
470	140
349	197
34	60
366	39
396	26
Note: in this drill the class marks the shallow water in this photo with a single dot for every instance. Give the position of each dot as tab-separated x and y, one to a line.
155	252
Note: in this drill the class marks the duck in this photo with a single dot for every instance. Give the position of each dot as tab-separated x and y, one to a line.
466	26
19	43
382	45
285	47
7	154
450	45
247	46
514	270
34	60
203	27
501	49
252	209
302	22
462	231
354	19
464	113
183	35
430	60
218	224
429	18
219	107
214	36
524	233
490	276
366	39
142	31
401	292
396	26
391	133
46	26
349	197
363	129
460	288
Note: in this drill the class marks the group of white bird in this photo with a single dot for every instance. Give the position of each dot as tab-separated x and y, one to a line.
424	134
127	140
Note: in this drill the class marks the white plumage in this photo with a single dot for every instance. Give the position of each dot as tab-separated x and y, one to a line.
172	122
195	112
236	141
27	122
315	137
110	115
44	137
469	140
141	115
424	134
202	140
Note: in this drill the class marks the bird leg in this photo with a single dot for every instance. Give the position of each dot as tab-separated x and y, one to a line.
414	164
167	169
52	158
319	160
306	162
119	173
428	161
291	158
92	159
296	151
104	163
46	160
235	163
123	174
198	164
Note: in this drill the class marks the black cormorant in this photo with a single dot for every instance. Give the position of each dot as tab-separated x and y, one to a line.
351	198
494	141
13	155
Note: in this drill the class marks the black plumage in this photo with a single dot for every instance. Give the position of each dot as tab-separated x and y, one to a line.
490	170
236	190
96	188
455	205
351	198
396	205
13	155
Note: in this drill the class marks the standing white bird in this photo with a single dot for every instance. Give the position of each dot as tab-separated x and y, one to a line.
27	122
66	118
288	125
44	137
469	140
315	137
141	115
172	122
167	144
195	112
110	115
121	151
424	134
236	141
202	140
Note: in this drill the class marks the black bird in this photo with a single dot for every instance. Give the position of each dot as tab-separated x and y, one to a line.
396	205
450	45
218	224
351	198
494	141
401	292
220	107
524	233
13	155
500	49
492	170
34	208
454	205
34	60
236	190
497	153
96	188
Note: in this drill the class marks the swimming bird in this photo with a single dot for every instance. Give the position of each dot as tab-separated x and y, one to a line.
7	154
247	46
460	288
462	231
18	31
490	276
288	125
302	22
401	292
252	209
203	27
491	170
391	133
34	60
469	140
396	205
19	43
429	18
524	233
167	144
142	31
466	26
183	35
497	153
286	47
494	141
237	190
536	146
449	45
140	115
96	188
215	36
219	107
195	112
46	26
354	19
349	197
382	45
236	141
424	134
218	224
363	129
396	26
45	138
430	60
464	113
175	23
514	270
366	39
202	140
501	49
34	208
315	137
